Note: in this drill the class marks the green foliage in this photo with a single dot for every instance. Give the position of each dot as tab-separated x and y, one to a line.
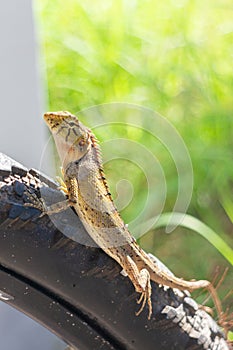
175	57
197	226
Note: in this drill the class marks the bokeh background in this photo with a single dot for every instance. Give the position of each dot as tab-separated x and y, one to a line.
175	57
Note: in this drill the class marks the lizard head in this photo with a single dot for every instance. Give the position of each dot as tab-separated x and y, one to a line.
72	138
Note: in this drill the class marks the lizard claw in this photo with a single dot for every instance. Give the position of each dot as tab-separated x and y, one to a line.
62	184
144	297
143	300
37	203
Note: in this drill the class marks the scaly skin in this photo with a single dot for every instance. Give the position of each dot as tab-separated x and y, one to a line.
89	195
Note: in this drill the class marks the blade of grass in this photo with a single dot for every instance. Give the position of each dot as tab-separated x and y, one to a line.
227	206
196	225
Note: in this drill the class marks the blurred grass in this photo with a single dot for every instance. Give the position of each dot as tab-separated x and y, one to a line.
176	58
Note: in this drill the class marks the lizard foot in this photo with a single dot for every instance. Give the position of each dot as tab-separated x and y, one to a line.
54	208
145	297
141	282
37	203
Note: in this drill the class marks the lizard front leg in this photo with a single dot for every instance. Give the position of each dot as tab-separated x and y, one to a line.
54	208
39	203
141	282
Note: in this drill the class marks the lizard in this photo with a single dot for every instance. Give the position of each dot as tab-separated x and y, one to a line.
88	194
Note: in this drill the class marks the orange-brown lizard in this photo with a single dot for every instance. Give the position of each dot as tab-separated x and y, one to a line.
88	193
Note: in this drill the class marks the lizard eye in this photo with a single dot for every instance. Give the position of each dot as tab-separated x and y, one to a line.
81	142
72	124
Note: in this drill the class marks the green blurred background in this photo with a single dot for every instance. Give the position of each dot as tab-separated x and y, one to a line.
174	57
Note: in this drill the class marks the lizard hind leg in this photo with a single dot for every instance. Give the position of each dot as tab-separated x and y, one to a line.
141	282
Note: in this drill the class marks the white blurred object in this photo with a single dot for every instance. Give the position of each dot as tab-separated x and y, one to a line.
22	138
21	131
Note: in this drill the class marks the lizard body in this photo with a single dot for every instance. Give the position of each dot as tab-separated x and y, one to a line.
89	195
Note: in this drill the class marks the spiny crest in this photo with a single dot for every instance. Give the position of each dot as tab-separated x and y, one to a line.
98	158
96	149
